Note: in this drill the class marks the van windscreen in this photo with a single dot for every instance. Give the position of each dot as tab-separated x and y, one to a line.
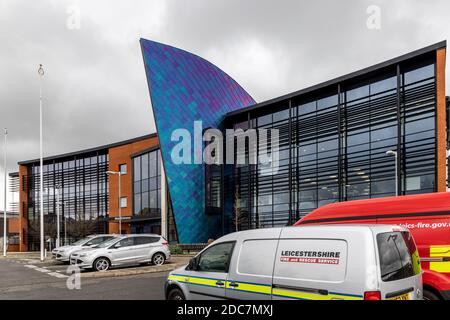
398	256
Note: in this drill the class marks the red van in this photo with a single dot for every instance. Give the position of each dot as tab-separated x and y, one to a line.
427	216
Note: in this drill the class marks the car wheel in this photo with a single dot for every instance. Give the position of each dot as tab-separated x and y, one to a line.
101	264
158	259
175	294
429	295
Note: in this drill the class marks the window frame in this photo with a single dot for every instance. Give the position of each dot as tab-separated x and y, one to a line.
126	202
120	168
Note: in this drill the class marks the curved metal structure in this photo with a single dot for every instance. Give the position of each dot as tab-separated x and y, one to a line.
185	88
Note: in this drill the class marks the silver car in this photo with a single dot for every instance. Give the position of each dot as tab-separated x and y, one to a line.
63	253
123	250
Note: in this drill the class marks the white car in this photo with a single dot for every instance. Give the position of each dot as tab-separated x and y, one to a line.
131	249
63	253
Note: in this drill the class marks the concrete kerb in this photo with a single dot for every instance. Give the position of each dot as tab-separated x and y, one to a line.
176	262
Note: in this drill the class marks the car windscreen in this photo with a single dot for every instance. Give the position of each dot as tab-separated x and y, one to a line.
81	241
398	256
107	243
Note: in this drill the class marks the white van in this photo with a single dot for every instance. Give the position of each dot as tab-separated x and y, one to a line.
345	262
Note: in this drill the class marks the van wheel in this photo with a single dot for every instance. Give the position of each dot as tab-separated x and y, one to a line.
158	259
175	294
101	264
429	295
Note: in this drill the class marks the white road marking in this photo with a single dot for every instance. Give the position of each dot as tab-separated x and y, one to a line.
55	274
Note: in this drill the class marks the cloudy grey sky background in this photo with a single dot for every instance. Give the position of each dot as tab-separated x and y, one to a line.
95	90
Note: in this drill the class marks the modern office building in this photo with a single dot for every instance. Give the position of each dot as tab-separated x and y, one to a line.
333	144
89	196
333	139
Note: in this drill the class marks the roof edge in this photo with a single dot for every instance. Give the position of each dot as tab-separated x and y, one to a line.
380	65
102	147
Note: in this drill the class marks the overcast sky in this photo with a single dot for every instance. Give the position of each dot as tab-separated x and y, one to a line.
95	90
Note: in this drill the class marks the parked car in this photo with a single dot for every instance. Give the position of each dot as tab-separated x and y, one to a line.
427	217
63	253
370	262
123	250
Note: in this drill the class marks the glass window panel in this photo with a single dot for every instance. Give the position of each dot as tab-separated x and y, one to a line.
307	108
144	166
327	102
137	187
137	168
383	186
123	202
153	183
419	74
145	185
281	115
358	93
281	197
145	200
153	164
153	199
383	85
137	203
356	139
327	145
419	125
384	133
264	120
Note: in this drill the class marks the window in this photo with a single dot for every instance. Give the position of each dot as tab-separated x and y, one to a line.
146	240
146	188
123	202
123	168
128	242
398	259
96	241
216	258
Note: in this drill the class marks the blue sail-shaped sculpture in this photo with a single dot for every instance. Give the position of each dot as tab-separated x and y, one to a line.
185	88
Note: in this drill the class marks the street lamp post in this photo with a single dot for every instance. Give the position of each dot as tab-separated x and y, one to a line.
41	196
58	239
4	205
394	153
120	193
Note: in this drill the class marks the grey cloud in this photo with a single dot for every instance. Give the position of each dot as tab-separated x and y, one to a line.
95	88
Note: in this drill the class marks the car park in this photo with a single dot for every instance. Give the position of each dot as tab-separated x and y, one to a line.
63	253
366	262
123	250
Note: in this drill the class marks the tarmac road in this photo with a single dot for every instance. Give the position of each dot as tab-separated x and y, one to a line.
21	280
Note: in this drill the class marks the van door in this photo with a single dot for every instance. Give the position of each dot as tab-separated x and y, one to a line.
251	271
209	279
401	274
310	269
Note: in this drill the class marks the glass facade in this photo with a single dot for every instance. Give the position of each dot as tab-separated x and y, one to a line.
147	192
82	184
333	144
